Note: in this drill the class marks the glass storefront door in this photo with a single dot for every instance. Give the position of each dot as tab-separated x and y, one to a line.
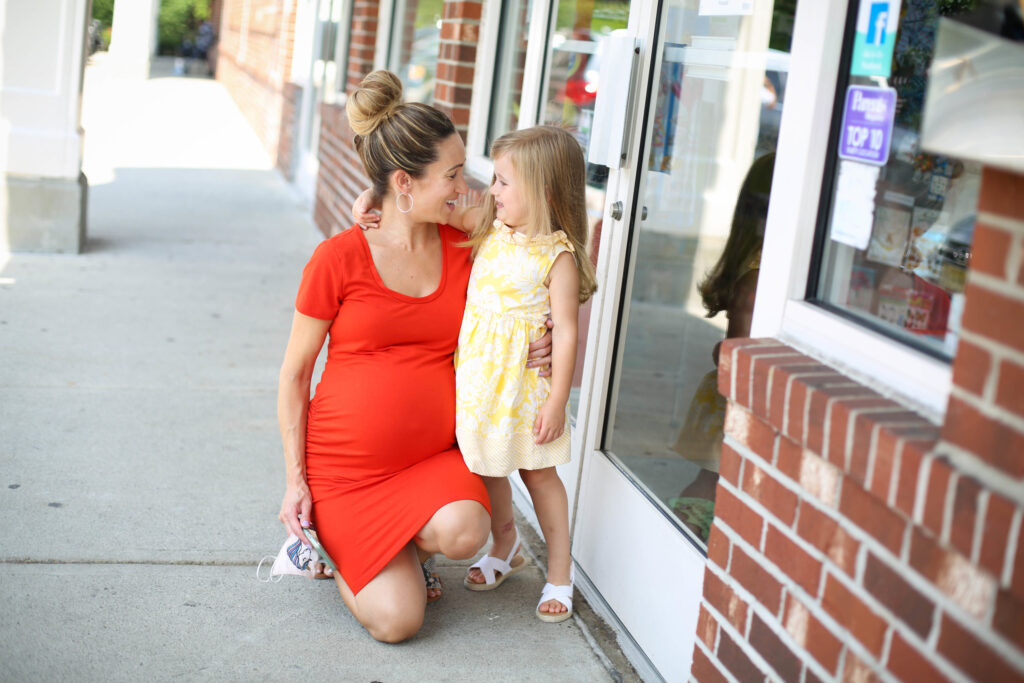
707	175
696	193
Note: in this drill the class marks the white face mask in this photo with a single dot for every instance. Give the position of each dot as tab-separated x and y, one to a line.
295	557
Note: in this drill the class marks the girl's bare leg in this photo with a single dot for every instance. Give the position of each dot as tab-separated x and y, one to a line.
502	524
552	507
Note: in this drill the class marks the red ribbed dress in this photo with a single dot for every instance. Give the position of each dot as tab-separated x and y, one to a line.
381	456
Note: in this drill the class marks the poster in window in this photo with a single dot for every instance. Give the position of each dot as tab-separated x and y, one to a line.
889	235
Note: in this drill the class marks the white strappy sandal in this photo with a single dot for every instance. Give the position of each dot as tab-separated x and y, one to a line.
562	594
490	565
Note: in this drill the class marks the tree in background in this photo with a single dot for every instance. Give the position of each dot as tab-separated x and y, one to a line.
103	13
103	10
179	20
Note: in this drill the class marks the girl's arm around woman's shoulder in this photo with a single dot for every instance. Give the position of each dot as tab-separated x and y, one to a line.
366	215
466	218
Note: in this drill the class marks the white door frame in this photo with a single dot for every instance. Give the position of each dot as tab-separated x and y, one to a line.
307	166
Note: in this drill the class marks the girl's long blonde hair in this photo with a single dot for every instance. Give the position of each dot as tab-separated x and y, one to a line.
551	171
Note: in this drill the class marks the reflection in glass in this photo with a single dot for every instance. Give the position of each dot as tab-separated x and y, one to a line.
568	101
415	41
508	68
915	221
712	134
325	70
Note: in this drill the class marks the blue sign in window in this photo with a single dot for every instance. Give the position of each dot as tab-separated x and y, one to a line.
877	22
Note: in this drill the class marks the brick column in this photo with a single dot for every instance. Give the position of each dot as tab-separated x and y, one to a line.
362	41
460	32
856	540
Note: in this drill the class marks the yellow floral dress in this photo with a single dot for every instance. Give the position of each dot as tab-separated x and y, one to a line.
497	397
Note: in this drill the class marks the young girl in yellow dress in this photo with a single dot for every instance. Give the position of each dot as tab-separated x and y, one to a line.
530	264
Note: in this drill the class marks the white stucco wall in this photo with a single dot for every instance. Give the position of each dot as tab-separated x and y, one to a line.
41	53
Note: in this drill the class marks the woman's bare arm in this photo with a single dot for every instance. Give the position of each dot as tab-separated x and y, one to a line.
304	344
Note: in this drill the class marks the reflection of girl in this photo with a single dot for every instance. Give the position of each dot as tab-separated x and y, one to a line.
730	287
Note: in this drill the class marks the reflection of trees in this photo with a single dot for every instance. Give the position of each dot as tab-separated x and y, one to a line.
915	44
782	25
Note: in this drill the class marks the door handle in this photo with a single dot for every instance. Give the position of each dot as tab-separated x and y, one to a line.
617	211
619	54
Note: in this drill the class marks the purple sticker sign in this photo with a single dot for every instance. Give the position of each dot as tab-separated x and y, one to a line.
867	124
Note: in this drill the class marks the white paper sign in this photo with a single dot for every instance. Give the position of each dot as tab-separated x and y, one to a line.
725	7
854	208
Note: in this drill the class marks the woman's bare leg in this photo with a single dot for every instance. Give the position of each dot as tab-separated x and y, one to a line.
552	507
458	530
502	524
391	606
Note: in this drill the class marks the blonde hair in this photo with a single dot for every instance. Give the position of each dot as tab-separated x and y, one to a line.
392	135
551	173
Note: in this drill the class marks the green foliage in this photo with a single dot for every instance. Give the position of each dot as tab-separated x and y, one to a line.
178	21
104	11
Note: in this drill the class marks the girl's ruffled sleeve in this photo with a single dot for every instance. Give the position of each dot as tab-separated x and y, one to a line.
563	243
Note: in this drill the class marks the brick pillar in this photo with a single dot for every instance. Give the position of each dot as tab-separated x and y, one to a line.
362	41
453	89
854	539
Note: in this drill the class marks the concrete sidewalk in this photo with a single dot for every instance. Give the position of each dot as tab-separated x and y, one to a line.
139	452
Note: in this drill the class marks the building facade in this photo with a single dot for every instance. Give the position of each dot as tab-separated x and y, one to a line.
798	406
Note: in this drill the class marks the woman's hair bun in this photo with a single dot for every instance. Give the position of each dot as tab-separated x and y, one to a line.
379	94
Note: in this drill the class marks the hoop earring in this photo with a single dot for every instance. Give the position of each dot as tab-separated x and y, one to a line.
399	206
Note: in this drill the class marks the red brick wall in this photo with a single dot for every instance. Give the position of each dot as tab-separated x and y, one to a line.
853	538
460	32
362	41
341	177
254	61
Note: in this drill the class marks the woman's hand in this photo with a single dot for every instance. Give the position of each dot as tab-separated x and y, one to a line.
366	214
550	421
296	509
539	352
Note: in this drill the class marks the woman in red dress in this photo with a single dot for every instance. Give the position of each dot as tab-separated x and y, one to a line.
372	458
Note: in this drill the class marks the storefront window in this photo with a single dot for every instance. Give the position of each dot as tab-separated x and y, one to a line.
899	221
415	40
707	177
508	69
